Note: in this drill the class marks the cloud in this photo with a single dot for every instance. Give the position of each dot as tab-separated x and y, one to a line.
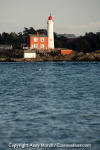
79	29
90	27
95	24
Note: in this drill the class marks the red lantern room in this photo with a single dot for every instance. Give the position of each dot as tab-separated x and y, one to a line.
50	17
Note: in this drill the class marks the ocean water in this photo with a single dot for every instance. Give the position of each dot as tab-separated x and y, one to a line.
54	104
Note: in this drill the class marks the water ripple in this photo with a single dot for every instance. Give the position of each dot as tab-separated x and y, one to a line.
50	102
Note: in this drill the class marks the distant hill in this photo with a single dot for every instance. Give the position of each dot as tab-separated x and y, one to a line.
66	35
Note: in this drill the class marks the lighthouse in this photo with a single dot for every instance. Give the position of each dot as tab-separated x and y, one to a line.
50	33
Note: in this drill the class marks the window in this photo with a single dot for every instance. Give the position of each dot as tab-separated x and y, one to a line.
32	46
42	39
42	45
35	39
35	45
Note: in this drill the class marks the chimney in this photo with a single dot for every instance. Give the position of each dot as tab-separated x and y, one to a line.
37	34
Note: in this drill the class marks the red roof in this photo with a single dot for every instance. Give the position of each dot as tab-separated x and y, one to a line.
50	17
66	52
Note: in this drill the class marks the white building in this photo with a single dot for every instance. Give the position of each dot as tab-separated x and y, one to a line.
29	54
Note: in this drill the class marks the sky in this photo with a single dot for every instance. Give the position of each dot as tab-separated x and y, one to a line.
69	16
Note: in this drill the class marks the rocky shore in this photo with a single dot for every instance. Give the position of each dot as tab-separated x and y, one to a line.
17	56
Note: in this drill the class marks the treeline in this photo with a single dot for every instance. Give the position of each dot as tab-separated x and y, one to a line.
18	39
87	43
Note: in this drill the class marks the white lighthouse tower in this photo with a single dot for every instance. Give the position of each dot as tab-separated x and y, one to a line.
50	33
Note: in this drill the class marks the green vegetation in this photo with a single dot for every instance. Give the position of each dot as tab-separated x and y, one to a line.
87	43
13	53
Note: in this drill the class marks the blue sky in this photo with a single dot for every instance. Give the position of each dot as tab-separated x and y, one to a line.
70	16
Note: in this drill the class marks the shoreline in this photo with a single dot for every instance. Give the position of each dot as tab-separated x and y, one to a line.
18	56
45	60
